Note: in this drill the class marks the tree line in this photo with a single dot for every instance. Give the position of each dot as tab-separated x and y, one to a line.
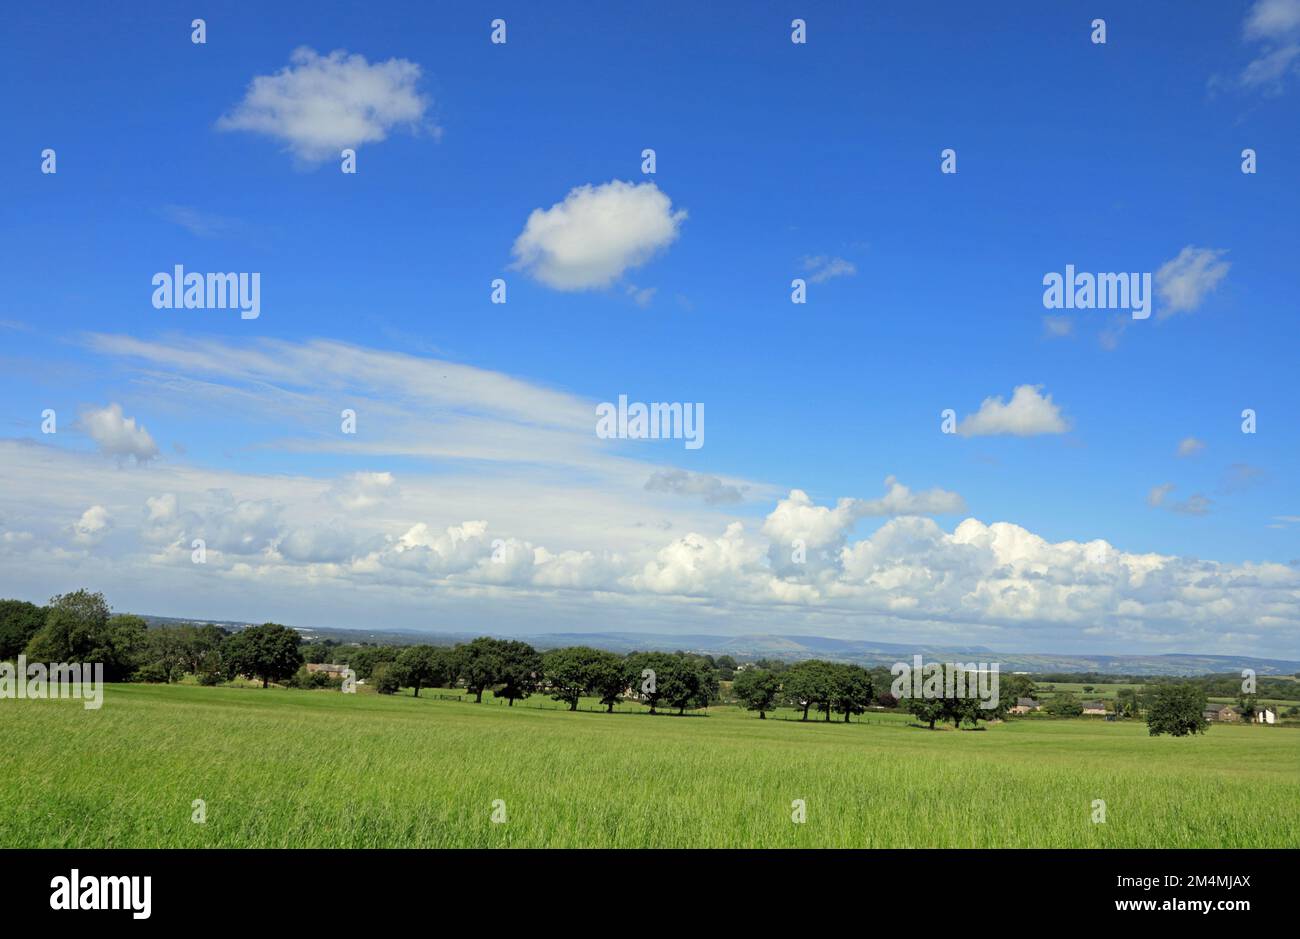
80	627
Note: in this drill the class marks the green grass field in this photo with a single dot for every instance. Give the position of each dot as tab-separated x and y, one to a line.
290	768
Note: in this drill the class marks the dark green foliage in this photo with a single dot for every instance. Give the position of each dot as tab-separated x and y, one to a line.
1177	710
269	652
757	689
19	621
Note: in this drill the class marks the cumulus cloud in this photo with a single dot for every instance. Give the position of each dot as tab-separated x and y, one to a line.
118	436
1029	413
1190	446
900	500
1184	282
822	268
683	483
359	491
594	235
317	105
819	532
1196	504
92	526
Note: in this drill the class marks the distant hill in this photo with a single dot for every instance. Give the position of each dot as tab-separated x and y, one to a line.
794	648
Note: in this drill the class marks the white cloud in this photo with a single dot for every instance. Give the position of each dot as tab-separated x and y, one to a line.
320	104
900	500
1196	504
594	235
1274	25
824	268
509	520
1271	18
1184	281
1190	446
118	436
271	555
1029	413
359	491
1270	68
92	526
682	482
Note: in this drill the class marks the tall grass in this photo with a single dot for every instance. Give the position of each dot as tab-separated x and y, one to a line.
283	768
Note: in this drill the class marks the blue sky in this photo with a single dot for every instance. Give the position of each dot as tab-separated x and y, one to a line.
785	158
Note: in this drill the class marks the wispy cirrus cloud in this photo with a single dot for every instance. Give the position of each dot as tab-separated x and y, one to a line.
1184	282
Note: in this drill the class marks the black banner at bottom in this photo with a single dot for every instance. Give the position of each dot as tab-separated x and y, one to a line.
146	888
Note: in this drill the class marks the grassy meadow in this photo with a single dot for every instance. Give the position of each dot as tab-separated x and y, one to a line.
280	768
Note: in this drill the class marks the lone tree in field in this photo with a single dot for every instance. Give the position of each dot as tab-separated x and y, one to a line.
518	671
757	689
269	652
570	673
479	664
1177	710
422	667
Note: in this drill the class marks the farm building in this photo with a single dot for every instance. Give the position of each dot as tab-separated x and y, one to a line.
333	671
1095	708
1265	716
1025	705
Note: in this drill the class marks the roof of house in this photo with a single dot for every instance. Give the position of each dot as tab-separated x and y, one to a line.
1026	703
1094	706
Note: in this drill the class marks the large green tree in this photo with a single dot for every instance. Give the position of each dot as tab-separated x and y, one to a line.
421	666
569	673
79	627
479	665
1177	710
270	652
757	689
19	621
663	678
519	670
852	690
608	679
808	684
